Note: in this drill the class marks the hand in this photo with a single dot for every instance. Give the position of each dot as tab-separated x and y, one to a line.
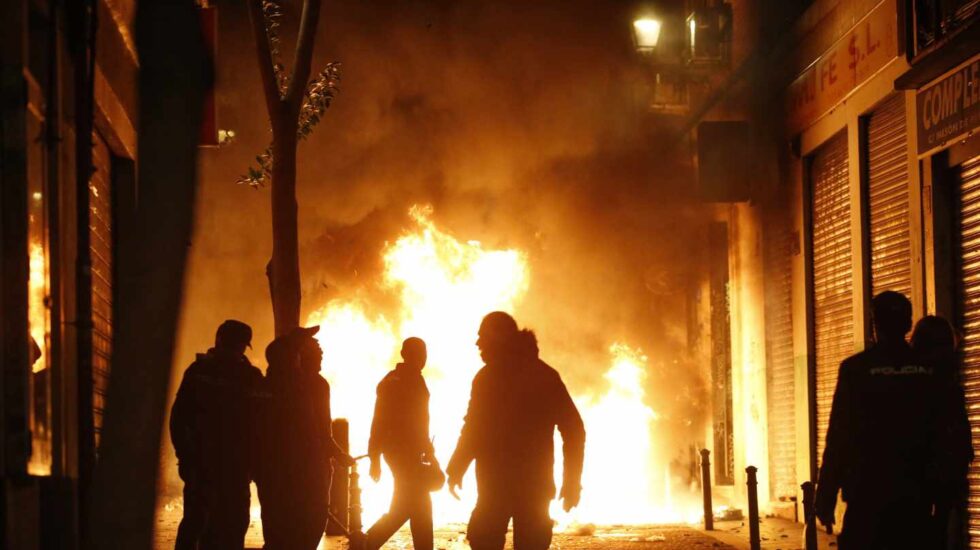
827	520
431	459
570	496
375	471
455	484
826	504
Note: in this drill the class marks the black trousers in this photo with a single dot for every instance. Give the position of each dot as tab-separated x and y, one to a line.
410	502
215	516
896	525
293	519
487	529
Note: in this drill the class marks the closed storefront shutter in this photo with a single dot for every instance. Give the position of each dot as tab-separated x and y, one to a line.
833	316
100	228
969	215
780	376
888	199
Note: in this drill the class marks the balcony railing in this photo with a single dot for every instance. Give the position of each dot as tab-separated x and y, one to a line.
936	20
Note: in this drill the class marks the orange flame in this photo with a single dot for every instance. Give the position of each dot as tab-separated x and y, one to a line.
445	287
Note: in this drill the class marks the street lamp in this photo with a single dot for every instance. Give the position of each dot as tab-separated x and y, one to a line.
659	42
646	34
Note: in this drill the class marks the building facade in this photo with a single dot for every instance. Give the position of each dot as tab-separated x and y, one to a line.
868	180
68	87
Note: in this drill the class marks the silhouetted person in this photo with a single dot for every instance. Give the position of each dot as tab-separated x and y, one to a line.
935	342
296	444
516	402
400	432
880	438
212	430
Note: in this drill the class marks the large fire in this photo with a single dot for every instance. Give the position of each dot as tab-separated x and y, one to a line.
444	287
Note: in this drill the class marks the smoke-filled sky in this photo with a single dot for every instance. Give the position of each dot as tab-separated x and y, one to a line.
521	123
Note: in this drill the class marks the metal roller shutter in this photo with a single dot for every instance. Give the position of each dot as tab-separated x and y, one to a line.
833	317
780	375
100	227
969	193
888	199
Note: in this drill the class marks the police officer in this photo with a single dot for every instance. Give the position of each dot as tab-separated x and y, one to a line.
883	425
516	402
212	431
297	444
934	340
400	432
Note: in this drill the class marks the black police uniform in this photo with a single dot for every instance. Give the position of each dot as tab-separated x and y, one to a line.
883	427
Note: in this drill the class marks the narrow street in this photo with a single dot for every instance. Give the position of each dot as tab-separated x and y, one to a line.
605	268
776	534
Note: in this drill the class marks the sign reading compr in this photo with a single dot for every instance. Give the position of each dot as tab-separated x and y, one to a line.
950	107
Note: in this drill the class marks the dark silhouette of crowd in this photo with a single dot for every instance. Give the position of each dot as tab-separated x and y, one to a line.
898	445
230	425
897	448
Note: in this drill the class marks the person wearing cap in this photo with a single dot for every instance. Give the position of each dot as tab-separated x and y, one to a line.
516	403
883	428
296	444
212	431
400	432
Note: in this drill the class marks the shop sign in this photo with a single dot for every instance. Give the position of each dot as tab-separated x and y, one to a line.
949	108
854	58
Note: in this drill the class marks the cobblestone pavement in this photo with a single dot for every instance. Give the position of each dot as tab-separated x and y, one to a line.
776	534
453	537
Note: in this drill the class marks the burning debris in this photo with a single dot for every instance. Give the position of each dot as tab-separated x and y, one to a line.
444	287
552	217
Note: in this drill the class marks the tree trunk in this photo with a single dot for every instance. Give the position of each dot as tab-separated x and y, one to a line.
284	108
284	282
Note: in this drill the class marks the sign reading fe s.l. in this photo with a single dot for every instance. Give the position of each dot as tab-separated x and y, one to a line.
855	57
950	107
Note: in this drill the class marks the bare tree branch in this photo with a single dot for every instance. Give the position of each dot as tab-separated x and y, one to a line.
304	54
273	99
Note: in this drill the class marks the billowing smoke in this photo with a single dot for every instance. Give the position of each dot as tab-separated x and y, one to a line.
523	124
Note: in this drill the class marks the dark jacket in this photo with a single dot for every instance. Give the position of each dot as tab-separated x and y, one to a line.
401	416
212	422
509	428
954	445
296	440
883	427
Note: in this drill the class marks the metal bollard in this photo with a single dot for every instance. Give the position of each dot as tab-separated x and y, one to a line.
809	516
709	513
354	520
339	488
755	542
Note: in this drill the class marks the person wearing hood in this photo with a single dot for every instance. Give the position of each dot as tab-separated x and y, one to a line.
212	428
296	444
516	403
400	432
